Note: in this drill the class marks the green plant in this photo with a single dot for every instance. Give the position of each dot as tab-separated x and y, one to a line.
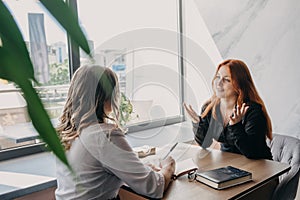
59	74
126	110
16	66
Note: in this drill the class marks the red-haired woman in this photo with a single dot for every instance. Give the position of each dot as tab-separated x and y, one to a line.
235	115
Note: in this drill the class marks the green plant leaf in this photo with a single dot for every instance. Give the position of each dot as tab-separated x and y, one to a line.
66	17
16	66
41	121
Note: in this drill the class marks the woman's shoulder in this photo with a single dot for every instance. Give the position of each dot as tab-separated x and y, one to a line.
254	110
105	133
117	137
102	129
254	106
113	131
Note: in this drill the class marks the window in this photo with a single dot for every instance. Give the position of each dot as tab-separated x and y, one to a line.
201	56
47	46
139	40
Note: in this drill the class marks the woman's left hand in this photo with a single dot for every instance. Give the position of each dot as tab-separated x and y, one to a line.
238	114
155	168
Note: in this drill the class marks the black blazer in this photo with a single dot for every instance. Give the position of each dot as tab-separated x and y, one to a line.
247	137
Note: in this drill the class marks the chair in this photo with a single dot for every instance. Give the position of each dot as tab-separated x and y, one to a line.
286	149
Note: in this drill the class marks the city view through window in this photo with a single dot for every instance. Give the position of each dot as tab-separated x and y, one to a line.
121	41
46	44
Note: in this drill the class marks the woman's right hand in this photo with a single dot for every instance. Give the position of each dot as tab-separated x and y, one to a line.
167	169
191	113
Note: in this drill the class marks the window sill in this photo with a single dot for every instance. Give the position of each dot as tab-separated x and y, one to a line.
27	175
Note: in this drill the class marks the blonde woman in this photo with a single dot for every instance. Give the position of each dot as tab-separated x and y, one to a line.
96	147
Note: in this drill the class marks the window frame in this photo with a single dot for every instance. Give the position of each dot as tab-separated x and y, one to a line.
74	64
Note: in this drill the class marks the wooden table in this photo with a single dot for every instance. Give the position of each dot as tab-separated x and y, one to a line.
265	175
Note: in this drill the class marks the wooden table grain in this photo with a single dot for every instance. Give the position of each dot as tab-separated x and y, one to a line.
265	175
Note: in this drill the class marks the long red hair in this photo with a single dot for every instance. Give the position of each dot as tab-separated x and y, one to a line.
244	87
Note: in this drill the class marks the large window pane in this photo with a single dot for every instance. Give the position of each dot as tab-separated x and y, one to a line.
139	41
201	56
46	44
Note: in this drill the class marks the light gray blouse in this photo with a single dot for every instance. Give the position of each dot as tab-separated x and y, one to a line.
102	163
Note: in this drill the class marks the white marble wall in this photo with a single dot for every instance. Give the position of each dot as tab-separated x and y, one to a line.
266	35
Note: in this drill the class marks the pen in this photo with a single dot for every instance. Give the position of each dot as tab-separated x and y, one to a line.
172	148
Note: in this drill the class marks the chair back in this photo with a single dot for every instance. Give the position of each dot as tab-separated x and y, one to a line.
286	149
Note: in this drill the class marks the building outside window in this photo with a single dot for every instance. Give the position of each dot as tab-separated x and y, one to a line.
47	46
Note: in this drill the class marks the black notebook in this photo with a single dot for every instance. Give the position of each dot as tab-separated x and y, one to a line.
224	177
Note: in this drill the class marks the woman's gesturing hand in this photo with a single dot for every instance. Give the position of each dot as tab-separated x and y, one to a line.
238	114
191	113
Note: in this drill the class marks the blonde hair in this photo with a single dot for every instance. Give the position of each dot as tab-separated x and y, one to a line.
90	88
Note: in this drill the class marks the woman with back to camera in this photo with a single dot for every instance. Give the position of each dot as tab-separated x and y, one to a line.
235	115
96	147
